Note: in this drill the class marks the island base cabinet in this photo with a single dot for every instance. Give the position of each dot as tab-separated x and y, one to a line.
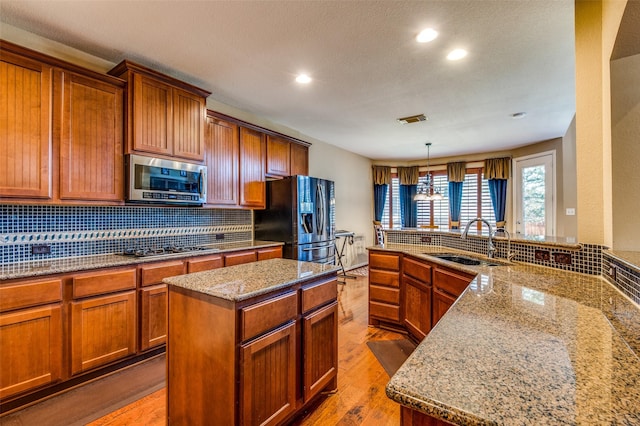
320	331
417	308
103	329
268	378
409	417
30	349
441	304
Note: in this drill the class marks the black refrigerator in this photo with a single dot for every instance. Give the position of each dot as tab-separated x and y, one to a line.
301	213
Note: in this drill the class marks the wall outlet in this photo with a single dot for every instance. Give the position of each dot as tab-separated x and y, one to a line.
425	239
41	249
219	236
562	258
571	212
542	255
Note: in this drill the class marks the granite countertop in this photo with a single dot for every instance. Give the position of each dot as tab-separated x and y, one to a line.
81	263
526	345
241	282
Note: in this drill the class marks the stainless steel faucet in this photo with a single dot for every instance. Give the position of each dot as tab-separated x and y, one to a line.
491	249
510	255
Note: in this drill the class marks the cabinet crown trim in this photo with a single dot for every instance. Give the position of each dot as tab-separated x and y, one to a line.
127	65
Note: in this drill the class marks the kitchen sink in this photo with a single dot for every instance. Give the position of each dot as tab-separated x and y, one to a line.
463	260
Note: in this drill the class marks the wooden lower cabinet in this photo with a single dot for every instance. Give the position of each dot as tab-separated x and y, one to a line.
384	288
269	253
417	307
268	377
103	329
268	357
30	349
409	417
441	304
320	349
153	316
240	257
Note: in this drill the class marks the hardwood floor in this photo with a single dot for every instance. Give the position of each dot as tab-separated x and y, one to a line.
360	398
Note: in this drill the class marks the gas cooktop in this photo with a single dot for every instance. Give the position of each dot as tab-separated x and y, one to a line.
163	251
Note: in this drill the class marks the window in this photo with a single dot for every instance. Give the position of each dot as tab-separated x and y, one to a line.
476	202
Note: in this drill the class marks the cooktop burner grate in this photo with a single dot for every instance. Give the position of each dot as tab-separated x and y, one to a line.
157	251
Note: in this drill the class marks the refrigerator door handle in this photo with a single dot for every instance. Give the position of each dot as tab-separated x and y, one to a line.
317	247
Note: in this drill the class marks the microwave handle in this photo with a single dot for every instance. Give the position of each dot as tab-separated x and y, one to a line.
201	179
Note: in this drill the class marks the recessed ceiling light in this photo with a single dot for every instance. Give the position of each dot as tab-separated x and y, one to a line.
518	115
427	35
456	54
303	79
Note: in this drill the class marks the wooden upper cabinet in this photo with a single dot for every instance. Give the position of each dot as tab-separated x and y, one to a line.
299	159
152	116
91	163
188	125
222	153
166	116
278	156
26	96
252	176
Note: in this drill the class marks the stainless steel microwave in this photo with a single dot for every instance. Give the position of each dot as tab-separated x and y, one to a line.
159	181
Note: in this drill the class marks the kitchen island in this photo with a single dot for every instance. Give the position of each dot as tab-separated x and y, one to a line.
252	343
523	344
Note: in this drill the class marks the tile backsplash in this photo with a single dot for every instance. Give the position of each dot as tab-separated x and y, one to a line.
86	230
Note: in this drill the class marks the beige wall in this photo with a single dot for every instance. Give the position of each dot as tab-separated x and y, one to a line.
596	26
625	126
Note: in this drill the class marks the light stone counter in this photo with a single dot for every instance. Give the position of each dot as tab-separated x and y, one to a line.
81	263
241	282
526	345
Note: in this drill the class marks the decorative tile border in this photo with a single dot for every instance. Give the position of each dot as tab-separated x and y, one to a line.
89	230
586	259
622	275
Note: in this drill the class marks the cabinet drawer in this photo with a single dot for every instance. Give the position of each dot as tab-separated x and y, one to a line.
106	282
319	294
153	274
450	282
417	269
391	279
205	263
18	296
269	253
384	311
384	294
384	261
239	258
264	316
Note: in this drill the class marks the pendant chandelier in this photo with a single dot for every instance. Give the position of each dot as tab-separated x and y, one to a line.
427	191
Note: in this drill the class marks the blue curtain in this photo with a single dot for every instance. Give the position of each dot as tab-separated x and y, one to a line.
379	198
498	191
455	203
408	207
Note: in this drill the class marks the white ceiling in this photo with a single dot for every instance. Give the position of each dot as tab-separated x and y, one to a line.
367	67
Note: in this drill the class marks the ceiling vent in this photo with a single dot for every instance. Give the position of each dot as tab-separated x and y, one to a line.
412	119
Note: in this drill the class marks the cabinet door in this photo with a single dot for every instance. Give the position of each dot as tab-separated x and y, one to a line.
153	316
441	304
26	96
188	125
30	349
103	329
278	156
299	160
252	180
320	351
152	115
91	163
268	377
417	307
221	157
